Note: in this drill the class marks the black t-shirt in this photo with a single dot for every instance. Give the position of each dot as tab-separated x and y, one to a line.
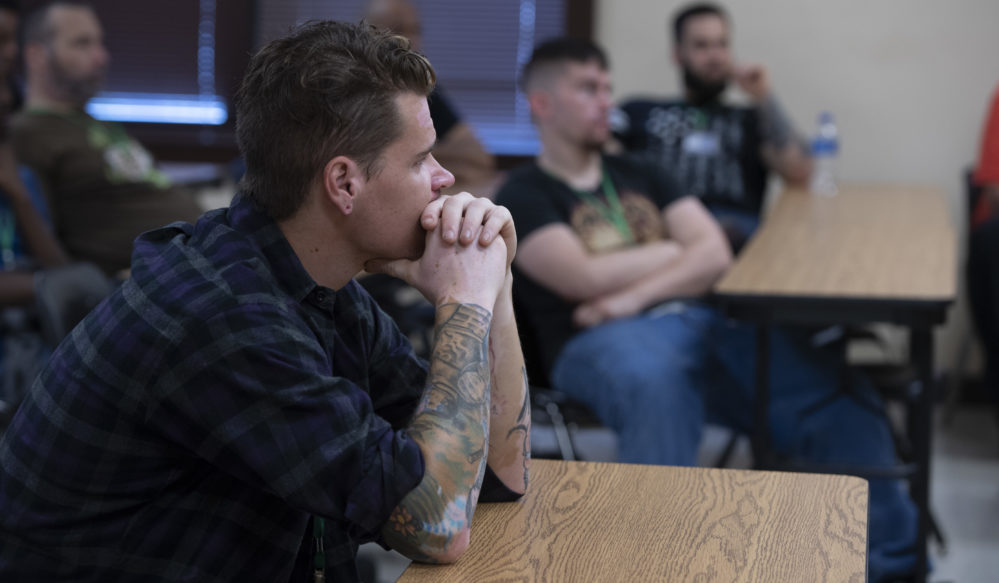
713	150
537	199
442	113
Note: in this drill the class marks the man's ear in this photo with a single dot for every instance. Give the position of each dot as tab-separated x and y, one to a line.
540	103
675	54
343	180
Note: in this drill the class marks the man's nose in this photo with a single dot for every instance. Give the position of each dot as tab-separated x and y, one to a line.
606	100
442	177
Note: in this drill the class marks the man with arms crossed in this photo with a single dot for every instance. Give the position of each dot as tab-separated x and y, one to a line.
612	264
240	395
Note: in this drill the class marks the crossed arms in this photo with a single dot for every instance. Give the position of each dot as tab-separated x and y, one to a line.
622	283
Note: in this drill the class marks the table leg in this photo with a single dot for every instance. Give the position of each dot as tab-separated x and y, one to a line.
920	432
762	457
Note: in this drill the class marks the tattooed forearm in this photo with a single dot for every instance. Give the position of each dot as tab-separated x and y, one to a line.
510	419
524	415
459	363
522	429
452	426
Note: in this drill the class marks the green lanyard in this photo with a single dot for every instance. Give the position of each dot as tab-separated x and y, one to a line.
612	210
701	118
7	230
319	561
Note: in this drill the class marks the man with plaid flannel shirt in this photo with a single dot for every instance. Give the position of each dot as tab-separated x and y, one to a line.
240	391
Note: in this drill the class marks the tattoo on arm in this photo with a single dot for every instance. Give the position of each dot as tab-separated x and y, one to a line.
451	426
523	427
511	445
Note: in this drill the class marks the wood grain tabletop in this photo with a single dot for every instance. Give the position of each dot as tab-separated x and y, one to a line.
596	522
868	242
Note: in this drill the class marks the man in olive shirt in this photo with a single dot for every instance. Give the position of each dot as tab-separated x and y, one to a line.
102	184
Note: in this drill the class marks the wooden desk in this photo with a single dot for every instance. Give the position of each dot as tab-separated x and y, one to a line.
595	522
868	254
870	243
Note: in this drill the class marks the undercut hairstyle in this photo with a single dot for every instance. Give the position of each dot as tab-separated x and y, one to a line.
327	89
684	14
38	29
556	53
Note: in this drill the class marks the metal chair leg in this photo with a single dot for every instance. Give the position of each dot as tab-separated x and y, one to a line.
562	435
726	454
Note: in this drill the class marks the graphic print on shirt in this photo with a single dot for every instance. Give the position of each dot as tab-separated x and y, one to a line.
701	151
126	159
600	235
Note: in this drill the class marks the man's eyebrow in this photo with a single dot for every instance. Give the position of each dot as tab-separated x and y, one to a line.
423	153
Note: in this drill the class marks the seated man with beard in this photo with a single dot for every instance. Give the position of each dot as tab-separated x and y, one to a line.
102	184
721	153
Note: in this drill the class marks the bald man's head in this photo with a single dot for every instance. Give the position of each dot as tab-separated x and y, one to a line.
399	16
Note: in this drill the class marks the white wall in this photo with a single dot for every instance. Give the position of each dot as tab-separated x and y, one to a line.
908	80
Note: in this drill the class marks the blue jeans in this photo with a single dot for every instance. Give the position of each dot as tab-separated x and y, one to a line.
641	376
654	377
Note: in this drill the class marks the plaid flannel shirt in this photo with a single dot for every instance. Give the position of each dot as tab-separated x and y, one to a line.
192	423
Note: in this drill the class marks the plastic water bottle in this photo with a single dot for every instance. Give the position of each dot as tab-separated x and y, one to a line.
825	149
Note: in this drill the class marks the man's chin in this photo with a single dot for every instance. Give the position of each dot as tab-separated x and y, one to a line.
595	143
419	245
706	87
707	93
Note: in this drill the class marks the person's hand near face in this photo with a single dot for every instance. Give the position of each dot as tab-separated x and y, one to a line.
470	245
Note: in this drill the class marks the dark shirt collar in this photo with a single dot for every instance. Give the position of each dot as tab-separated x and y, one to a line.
244	216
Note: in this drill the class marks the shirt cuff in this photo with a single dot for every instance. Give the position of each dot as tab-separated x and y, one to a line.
392	468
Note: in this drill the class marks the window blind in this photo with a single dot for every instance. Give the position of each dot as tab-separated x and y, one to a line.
477	48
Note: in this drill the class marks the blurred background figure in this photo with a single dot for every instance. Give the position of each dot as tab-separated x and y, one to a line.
614	262
41	294
721	153
458	149
983	249
102	184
